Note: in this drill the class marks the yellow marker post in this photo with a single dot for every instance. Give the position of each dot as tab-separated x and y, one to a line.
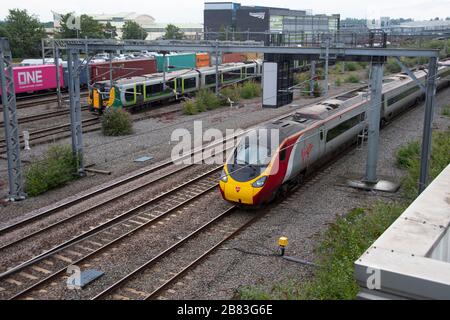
283	243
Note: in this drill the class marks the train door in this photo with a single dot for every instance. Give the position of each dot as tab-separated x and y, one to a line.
140	94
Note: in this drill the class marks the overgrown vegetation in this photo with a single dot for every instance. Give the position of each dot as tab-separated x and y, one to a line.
348	238
57	168
446	111
352	79
206	99
250	89
117	122
408	158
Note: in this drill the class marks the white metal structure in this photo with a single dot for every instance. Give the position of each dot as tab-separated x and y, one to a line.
411	260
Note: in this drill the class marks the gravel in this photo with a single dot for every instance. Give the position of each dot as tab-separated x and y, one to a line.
152	137
303	218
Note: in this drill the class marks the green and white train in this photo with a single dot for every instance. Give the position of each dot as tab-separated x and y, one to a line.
142	91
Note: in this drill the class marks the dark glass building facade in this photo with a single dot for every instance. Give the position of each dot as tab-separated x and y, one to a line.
232	21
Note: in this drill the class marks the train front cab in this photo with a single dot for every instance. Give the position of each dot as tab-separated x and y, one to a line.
247	177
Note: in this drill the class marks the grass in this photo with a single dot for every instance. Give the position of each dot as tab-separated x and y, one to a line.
408	158
352	79
347	239
250	90
57	168
446	111
116	122
189	107
352	66
206	99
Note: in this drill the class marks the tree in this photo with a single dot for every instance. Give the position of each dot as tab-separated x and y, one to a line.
173	32
109	30
88	27
24	32
132	30
3	32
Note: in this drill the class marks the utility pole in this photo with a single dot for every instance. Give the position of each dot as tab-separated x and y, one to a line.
327	60
374	122
428	124
75	109
111	81
217	68
164	71
58	80
371	181
87	61
16	190
312	81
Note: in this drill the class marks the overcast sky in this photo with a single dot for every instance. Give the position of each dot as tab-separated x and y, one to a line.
192	10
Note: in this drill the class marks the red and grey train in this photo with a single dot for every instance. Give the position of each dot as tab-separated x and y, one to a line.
259	170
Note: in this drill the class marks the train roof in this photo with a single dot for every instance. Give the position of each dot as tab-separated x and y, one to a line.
173	74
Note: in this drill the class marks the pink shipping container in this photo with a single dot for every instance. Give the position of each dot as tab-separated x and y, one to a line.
36	78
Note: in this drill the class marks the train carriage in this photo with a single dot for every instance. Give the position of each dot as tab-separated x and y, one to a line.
309	137
136	92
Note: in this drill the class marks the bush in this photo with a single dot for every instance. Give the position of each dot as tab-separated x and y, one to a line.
189	107
57	168
392	66
116	122
338	82
206	100
250	90
317	90
300	78
351	66
233	93
352	79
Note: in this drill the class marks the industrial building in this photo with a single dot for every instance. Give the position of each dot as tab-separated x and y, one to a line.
264	23
154	29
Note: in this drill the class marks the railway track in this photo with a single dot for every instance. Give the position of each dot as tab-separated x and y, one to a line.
53	133
159	273
31	101
98	192
22	280
44	115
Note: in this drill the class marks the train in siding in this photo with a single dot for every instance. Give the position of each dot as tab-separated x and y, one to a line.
136	92
36	78
258	170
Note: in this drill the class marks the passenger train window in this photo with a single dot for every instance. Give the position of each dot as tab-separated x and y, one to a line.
171	84
402	95
251	71
343	127
129	94
154	89
231	75
210	79
190	83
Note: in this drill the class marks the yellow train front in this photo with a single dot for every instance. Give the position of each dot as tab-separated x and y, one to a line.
101	96
253	175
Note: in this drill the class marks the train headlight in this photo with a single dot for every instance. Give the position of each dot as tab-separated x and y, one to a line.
224	177
260	182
